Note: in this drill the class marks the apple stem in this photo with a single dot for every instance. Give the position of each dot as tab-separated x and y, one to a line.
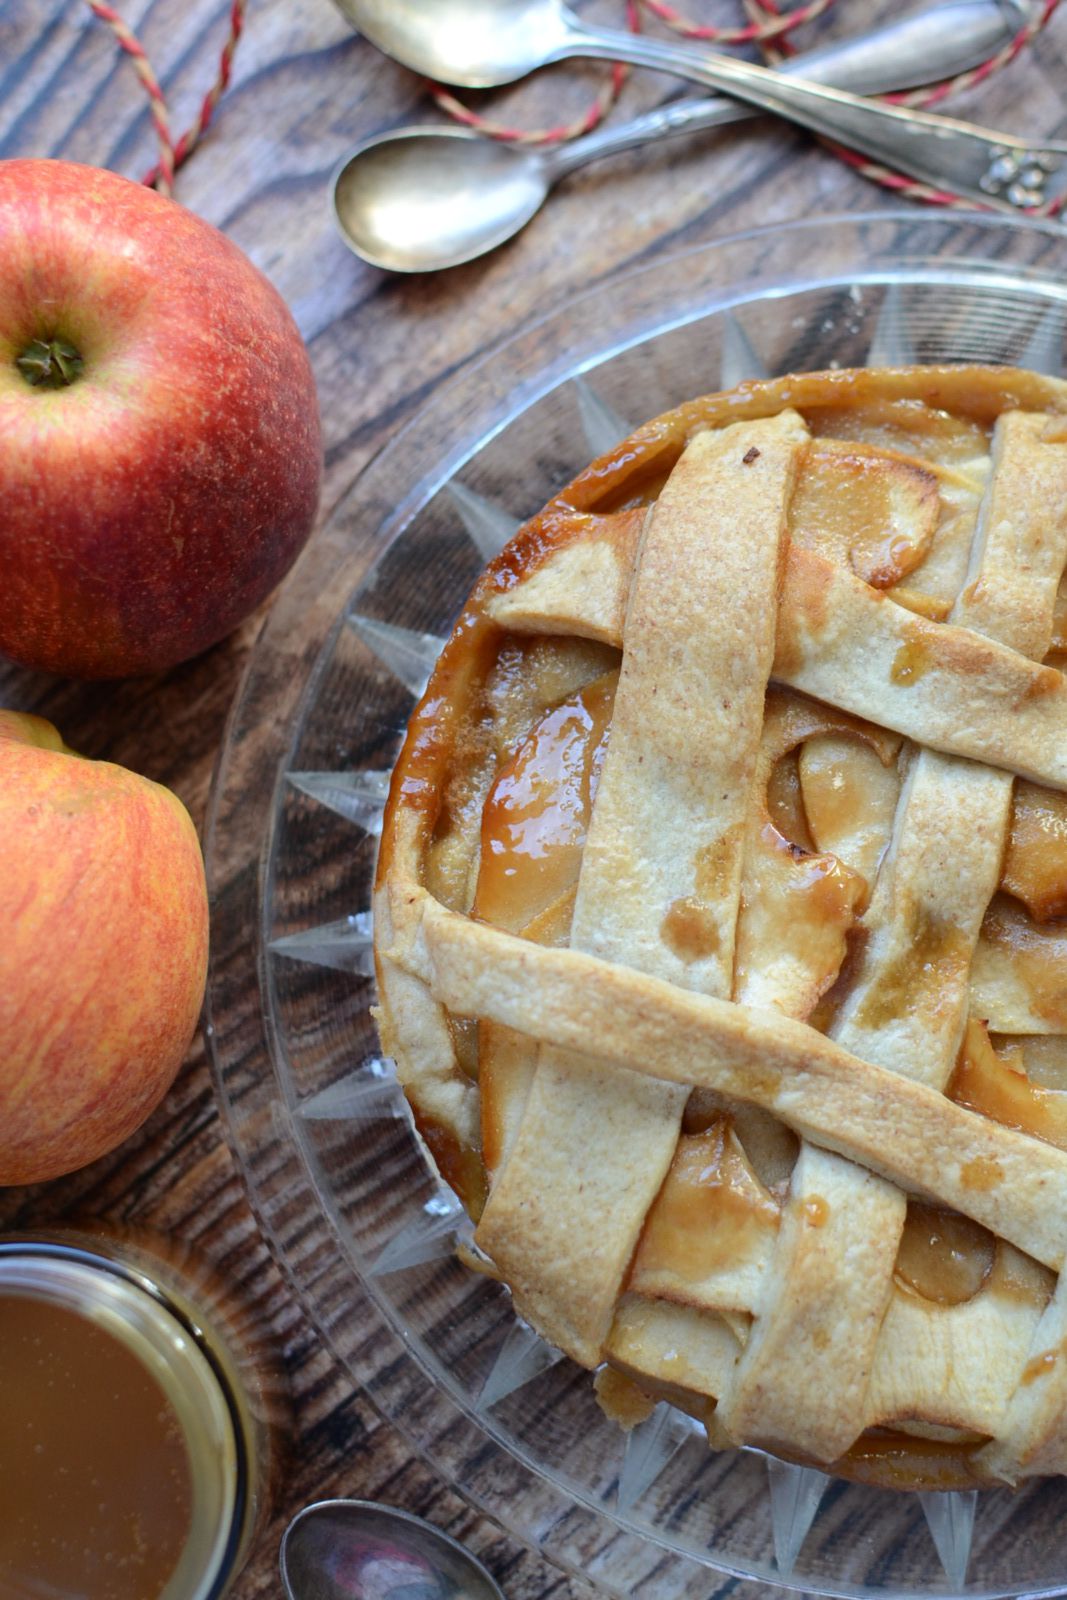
50	363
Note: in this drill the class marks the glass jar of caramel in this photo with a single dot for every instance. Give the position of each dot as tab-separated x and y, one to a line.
138	1427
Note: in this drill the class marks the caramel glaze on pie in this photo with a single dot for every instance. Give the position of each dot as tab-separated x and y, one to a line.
721	921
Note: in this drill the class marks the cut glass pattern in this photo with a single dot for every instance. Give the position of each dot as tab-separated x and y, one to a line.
359	797
344	945
523	1356
429	1236
602	426
366	1095
489	525
649	1447
891	345
951	1521
409	656
795	1496
739	357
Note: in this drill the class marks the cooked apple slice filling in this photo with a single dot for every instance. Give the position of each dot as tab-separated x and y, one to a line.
706	1240
533	831
800	902
942	1256
1017	977
1035	866
995	1083
873	510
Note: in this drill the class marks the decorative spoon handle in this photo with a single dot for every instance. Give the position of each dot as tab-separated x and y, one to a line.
921	48
990	168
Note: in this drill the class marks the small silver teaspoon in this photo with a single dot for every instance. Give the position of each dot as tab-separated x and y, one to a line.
427	198
357	1550
482	43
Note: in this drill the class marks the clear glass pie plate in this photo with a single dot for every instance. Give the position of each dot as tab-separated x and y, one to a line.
338	1179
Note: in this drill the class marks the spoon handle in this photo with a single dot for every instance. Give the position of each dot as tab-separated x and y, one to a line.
990	168
922	48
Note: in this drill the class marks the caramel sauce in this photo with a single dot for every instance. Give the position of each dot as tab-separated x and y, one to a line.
418	777
930	606
711	1209
890	1459
816	1211
535	817
1036	952
943	1256
1040	1366
923	977
534	823
460	1166
981	1174
690	929
912	661
1035	865
95	1480
984	1082
717	862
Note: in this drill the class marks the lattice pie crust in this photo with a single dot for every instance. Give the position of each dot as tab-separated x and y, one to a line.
721	920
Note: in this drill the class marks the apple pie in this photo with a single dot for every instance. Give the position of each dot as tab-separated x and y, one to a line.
721	921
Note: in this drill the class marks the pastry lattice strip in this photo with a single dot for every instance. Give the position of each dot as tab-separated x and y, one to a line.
944	685
817	1330
1008	1181
660	880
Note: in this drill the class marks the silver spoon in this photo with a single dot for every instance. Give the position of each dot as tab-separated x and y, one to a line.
357	1550
482	43
427	198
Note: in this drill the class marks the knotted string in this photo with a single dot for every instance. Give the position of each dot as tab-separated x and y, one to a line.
172	152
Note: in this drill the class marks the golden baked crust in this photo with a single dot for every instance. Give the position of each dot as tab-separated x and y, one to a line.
720	923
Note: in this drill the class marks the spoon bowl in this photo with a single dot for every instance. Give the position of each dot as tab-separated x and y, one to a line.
357	1550
428	198
477	43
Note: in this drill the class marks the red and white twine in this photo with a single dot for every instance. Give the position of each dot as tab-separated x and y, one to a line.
172	152
768	26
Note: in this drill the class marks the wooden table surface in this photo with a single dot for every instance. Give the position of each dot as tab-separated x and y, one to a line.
305	88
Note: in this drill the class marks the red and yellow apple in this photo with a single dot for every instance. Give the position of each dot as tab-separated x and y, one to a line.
160	451
103	950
